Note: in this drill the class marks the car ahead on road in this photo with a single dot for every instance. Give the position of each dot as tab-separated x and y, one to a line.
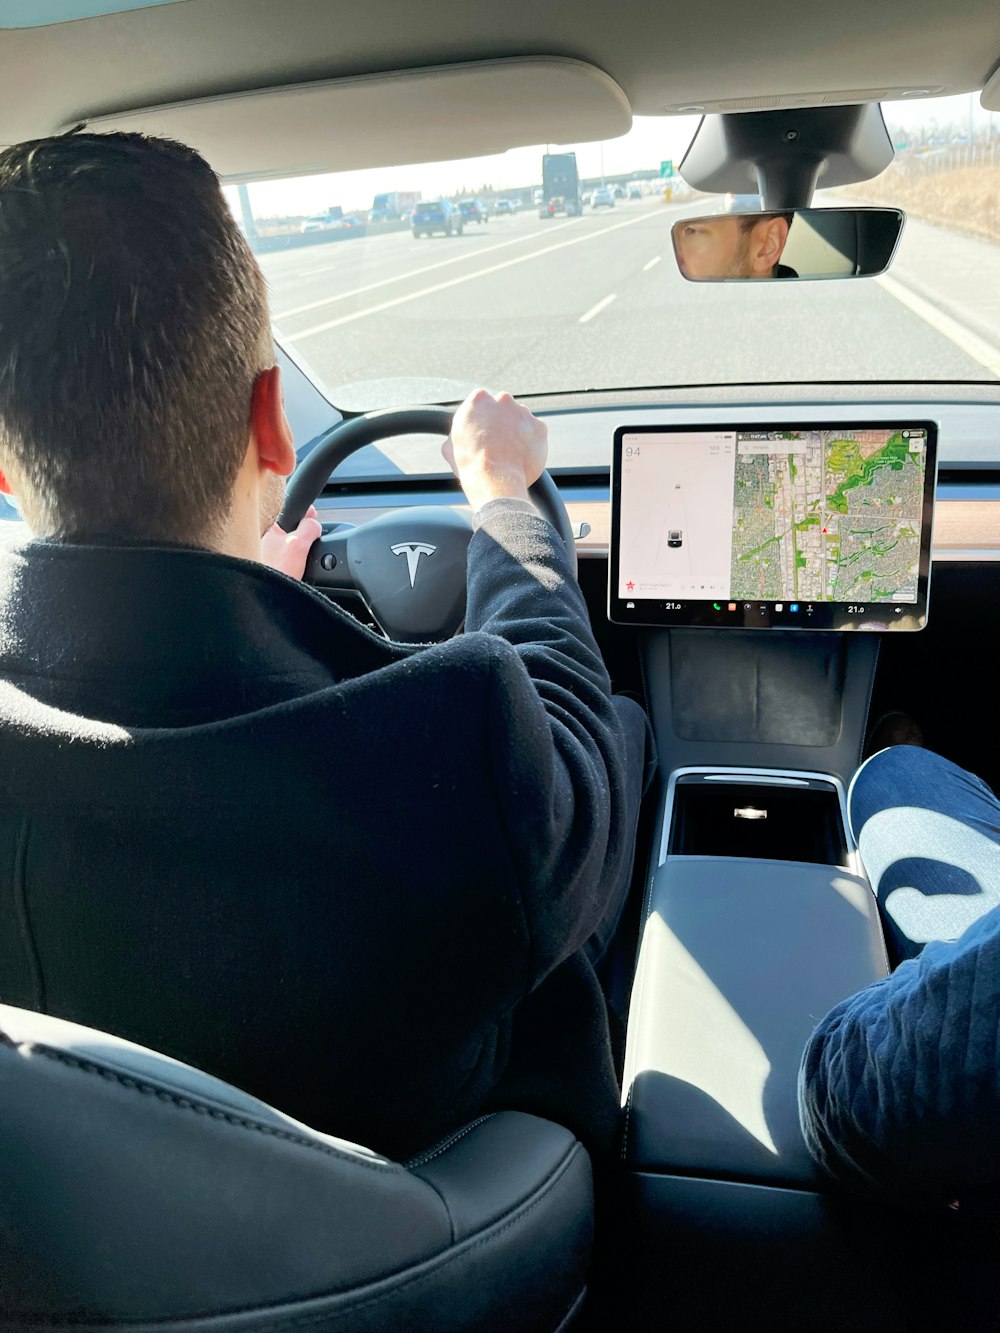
319	222
602	197
504	206
436	215
473	210
741	929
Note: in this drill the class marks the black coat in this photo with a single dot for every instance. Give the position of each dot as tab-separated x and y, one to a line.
238	827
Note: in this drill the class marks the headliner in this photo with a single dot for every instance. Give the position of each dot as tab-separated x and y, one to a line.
666	59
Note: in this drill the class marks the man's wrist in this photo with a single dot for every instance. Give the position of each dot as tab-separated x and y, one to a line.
483	487
503	504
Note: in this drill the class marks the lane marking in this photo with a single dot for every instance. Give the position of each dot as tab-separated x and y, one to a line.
652	263
455	282
596	309
414	273
304	274
970	343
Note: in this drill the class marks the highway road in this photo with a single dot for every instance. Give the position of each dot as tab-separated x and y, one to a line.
536	306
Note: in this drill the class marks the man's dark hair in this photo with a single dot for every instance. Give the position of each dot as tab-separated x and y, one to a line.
133	322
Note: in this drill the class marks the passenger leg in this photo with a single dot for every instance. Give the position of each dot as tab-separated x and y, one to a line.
929	836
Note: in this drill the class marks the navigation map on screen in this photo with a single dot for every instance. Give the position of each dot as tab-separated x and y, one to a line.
772	519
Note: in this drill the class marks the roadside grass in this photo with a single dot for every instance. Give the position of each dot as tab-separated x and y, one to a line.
965	199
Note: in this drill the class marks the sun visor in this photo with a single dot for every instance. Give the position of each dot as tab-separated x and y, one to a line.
392	119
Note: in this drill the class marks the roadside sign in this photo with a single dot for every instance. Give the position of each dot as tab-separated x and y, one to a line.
667	168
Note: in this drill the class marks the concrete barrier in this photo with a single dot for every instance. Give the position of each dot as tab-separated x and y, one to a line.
295	240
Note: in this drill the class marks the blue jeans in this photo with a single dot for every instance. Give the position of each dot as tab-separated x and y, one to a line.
929	837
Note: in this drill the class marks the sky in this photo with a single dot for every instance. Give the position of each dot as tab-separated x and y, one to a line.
651	140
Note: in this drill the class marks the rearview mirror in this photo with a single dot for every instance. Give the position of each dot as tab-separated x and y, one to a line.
802	243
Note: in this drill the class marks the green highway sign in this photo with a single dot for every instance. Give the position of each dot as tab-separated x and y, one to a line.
667	168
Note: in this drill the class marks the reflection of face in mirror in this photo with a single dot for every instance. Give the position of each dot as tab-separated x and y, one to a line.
746	246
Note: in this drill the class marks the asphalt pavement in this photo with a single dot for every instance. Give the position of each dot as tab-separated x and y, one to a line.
536	306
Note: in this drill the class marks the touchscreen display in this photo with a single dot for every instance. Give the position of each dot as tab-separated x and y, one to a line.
782	526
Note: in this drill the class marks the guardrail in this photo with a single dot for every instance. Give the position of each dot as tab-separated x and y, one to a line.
295	240
949	157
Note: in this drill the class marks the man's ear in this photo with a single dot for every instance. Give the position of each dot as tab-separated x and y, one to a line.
769	241
5	486
269	428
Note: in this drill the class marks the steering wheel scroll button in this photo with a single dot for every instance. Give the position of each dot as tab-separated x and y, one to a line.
328	561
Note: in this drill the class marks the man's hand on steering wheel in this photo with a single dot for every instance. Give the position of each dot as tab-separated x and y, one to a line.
409	563
496	449
287	552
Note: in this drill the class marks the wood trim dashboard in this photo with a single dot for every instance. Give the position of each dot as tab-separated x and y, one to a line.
963	529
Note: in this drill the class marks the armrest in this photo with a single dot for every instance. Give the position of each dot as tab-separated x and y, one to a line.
739	960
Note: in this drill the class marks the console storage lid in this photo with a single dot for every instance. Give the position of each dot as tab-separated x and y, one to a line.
739	959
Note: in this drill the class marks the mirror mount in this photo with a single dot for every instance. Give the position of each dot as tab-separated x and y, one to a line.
782	183
784	155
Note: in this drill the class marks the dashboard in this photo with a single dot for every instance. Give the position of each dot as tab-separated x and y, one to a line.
966	523
940	675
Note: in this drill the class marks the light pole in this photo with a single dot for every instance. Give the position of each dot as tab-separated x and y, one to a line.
246	210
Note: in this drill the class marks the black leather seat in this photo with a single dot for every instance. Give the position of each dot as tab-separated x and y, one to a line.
136	1191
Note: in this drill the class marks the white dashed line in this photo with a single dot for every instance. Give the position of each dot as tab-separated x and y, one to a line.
414	273
652	263
303	334
596	309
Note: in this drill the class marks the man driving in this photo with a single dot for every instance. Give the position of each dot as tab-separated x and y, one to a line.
748	245
367	882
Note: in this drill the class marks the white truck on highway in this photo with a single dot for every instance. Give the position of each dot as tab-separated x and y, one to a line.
394	205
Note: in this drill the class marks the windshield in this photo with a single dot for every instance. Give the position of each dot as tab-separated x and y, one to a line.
573	291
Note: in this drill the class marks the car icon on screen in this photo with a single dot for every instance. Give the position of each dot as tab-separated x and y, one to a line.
675	537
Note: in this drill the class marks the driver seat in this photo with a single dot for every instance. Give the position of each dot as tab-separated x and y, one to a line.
136	1191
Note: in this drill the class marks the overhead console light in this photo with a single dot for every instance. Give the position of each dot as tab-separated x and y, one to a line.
409	116
42	13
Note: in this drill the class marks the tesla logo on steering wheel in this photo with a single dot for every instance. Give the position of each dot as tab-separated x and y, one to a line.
413	551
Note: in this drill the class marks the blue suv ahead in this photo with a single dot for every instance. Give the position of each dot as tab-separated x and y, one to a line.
473	210
436	215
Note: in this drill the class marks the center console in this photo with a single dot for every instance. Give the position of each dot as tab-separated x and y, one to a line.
757	919
756	922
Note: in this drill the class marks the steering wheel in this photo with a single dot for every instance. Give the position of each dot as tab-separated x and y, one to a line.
408	564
